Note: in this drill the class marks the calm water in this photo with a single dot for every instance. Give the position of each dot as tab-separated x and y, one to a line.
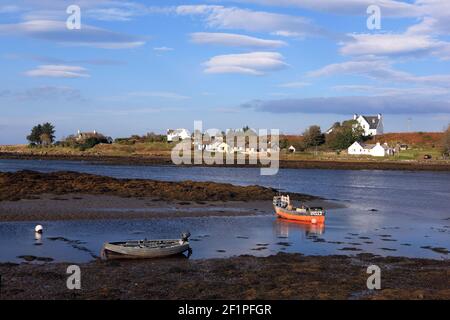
413	211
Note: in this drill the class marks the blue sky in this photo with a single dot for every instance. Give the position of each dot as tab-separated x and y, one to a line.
140	66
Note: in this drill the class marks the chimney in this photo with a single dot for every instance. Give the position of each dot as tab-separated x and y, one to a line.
355	116
379	116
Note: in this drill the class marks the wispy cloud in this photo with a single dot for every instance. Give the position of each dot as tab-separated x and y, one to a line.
45	93
159	94
254	63
381	70
389	45
296	85
58	71
163	49
221	17
391	8
234	40
57	31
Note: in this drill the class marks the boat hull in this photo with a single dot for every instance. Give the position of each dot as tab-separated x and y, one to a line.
111	250
294	215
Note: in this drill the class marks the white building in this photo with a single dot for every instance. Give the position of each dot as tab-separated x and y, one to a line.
217	146
177	135
372	125
374	150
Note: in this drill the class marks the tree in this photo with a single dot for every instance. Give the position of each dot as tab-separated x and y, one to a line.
42	134
49	131
35	135
344	135
313	137
446	141
45	139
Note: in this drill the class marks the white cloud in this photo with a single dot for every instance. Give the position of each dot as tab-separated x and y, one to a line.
58	71
234	40
352	7
388	44
159	94
254	63
297	84
380	70
162	49
393	91
57	31
254	21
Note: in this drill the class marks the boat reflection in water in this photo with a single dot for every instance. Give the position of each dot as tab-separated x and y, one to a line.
283	227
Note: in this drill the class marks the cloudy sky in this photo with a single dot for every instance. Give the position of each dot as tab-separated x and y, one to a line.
139	66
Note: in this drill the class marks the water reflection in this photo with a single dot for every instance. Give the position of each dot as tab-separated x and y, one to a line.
38	237
283	227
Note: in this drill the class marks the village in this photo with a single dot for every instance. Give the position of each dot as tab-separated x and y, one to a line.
361	137
364	130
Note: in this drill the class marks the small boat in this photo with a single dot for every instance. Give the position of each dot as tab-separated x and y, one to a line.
284	209
143	249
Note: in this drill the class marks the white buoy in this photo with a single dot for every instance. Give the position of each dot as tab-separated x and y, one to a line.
313	220
38	229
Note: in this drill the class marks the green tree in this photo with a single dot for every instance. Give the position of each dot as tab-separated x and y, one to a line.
344	135
35	135
49	130
313	137
42	134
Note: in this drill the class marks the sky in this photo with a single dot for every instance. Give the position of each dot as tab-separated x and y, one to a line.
139	66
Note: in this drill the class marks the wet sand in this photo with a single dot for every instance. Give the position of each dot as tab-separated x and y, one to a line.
28	195
282	276
85	206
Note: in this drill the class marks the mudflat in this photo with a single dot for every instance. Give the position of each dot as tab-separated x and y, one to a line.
281	276
29	196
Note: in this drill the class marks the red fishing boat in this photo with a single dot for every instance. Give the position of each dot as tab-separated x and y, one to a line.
285	210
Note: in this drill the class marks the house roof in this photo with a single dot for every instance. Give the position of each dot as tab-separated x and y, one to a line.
373	121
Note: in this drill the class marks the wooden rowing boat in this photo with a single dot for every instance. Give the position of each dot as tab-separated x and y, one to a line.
285	210
145	249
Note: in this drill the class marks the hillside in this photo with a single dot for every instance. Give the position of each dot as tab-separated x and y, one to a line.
417	139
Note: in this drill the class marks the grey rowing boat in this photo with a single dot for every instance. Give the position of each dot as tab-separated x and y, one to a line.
144	249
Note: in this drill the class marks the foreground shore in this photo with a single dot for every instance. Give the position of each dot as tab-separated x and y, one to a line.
164	159
282	276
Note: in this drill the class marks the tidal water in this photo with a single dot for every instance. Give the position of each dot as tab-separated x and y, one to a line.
390	213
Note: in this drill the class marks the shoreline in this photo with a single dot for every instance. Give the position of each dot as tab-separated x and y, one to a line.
406	165
242	277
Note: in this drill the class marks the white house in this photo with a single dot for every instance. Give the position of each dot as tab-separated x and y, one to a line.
178	134
217	146
372	125
375	150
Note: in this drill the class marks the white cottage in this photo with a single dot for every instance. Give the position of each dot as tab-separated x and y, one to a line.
372	125
374	150
217	146
177	134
